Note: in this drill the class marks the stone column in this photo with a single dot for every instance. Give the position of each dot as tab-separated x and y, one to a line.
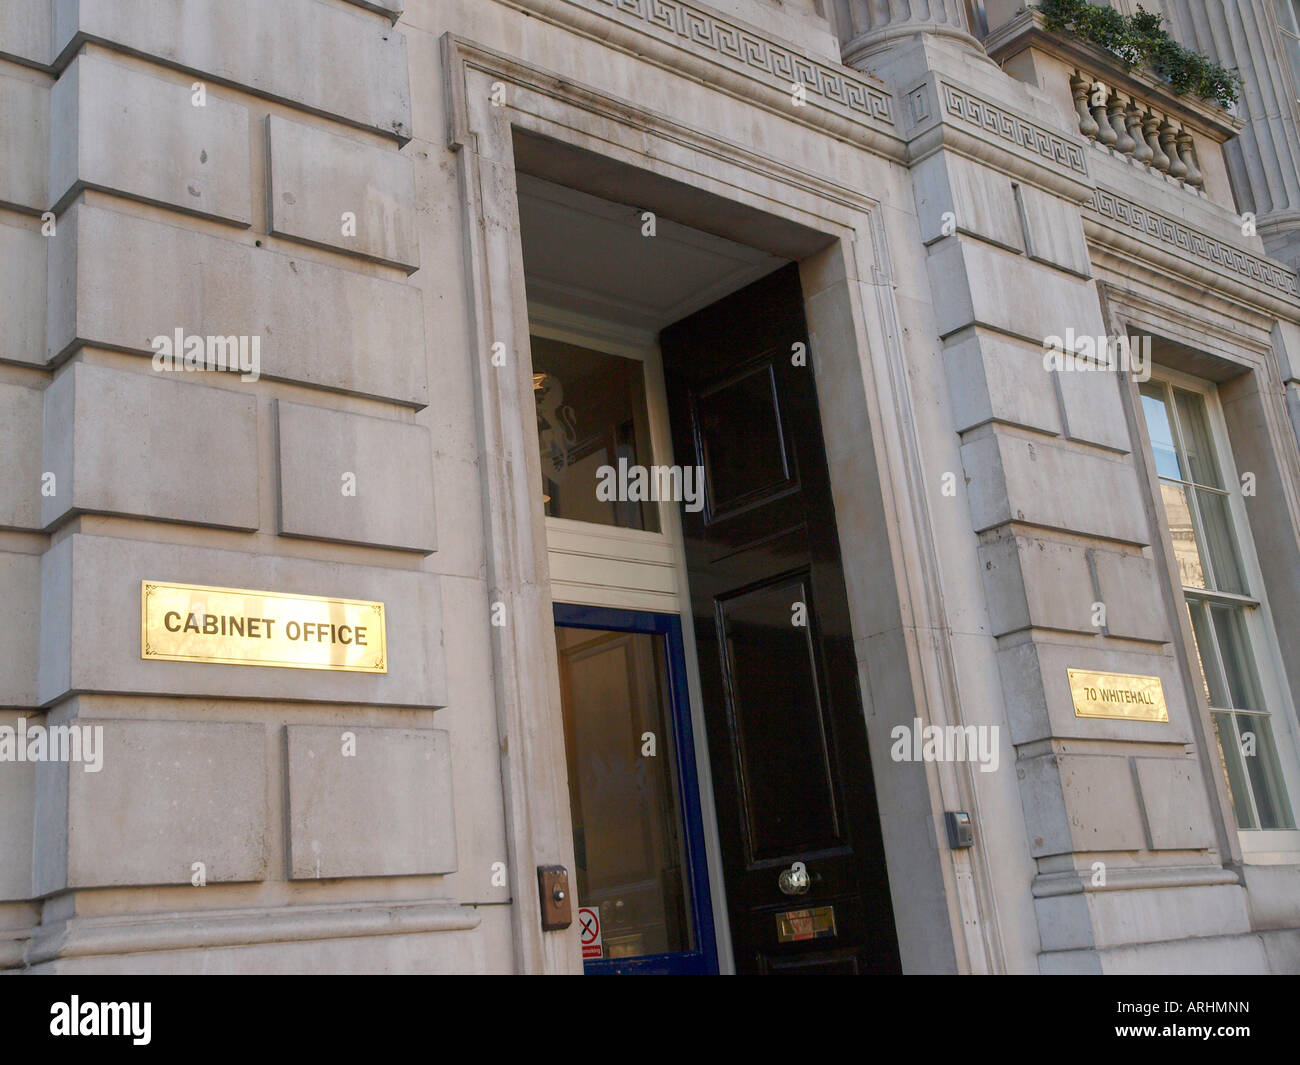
1264	161
867	26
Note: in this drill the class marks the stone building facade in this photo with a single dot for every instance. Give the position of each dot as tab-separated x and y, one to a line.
415	220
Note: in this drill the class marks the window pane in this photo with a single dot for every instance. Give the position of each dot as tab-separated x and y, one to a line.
1216	691
1204	539
591	414
1260	755
1216	534
1230	759
1197	444
1286	15
1161	435
1178	512
1234	649
627	832
1247	752
1292	48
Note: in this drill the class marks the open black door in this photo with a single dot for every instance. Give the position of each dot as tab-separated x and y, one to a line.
802	852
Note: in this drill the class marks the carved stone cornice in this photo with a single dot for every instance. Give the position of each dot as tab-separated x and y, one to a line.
996	121
704	32
1255	278
943	113
696	42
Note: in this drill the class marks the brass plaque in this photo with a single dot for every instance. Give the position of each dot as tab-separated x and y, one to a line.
1124	696
795	925
238	627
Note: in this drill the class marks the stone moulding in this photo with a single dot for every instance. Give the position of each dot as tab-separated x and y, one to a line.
706	30
1146	878
12	945
945	115
1192	243
698	44
205	930
682	24
994	120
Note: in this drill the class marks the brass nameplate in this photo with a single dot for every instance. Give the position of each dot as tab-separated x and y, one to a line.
238	627
795	925
1125	696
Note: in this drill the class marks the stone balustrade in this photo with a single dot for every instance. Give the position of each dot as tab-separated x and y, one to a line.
1133	128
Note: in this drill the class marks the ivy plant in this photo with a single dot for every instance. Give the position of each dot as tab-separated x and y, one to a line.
1140	40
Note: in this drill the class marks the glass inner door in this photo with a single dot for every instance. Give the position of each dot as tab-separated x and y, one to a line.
634	809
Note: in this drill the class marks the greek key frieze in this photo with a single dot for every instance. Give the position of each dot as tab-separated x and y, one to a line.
1195	244
998	122
838	87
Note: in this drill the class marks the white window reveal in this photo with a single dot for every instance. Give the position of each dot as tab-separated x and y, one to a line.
1234	641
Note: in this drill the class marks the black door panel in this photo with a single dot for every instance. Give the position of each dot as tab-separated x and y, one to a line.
787	740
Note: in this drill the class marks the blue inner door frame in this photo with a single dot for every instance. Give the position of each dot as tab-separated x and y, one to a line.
704	958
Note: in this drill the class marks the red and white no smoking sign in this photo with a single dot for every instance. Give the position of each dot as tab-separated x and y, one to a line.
589	932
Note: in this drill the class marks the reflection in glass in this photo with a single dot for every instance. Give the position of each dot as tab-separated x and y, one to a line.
1234	649
1246	748
591	412
1289	24
1216	692
1197	443
1260	755
1161	433
1199	519
1187	553
1225	734
627	826
1216	532
1205	546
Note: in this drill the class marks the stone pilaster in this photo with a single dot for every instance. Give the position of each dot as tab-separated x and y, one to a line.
1116	812
867	26
1264	161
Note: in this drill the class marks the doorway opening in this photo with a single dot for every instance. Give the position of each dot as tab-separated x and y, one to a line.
641	874
700	602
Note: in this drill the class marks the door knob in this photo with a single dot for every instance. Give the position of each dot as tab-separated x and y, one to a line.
795	880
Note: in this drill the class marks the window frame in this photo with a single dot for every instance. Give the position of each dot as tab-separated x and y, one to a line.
1289	64
1258	846
640	573
636	565
703	958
